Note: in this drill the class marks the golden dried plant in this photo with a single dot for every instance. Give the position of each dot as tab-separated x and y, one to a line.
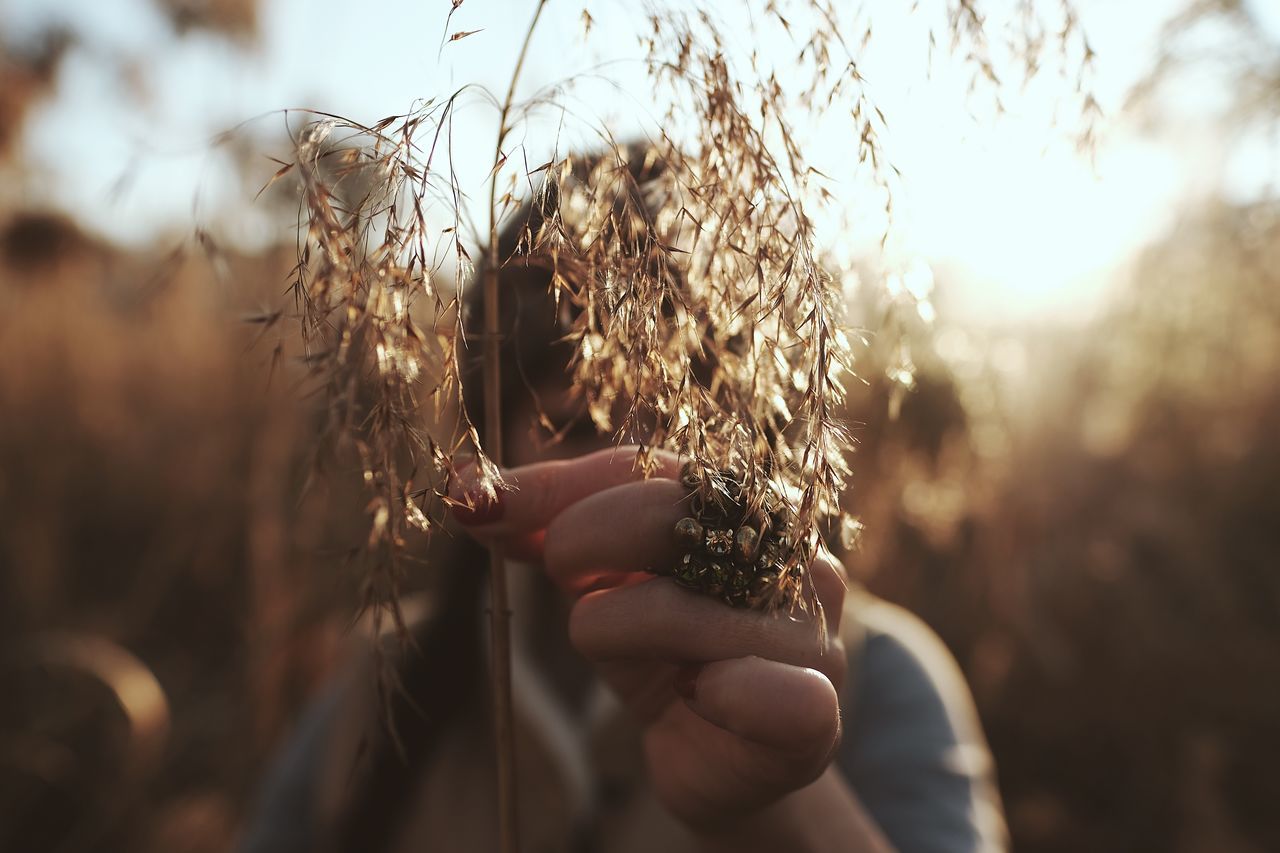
685	269
691	263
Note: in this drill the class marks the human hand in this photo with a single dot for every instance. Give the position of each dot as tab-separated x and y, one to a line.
739	707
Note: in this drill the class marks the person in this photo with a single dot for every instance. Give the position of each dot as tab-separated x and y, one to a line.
648	717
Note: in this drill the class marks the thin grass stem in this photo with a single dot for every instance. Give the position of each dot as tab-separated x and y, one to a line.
499	607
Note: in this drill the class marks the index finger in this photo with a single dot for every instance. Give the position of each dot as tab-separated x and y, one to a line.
543	490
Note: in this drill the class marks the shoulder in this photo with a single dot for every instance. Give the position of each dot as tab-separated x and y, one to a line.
913	748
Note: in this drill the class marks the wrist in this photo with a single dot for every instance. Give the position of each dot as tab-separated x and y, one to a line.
822	817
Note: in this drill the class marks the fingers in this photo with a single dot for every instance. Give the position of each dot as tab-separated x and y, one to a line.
543	490
627	528
830	584
659	621
594	521
749	731
791	709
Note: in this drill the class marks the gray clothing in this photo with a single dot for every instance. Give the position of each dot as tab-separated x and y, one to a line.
912	750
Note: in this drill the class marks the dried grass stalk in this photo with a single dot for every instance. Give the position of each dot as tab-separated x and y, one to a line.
689	265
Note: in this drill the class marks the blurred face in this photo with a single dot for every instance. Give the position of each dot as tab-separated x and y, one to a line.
528	438
543	418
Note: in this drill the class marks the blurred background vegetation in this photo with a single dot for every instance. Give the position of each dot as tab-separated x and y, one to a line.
1082	503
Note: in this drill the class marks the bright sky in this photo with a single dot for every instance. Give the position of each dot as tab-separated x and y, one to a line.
1022	226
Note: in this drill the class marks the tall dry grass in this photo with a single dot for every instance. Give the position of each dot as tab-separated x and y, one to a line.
149	498
1103	566
1094	543
1103	572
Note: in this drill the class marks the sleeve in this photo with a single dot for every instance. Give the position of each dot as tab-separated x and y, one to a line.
284	819
913	748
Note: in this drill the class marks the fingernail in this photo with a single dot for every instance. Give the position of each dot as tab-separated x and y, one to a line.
479	509
686	681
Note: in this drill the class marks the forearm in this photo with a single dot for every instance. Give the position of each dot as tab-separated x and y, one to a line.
824	817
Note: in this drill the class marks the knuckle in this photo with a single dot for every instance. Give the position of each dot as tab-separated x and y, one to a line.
831	585
836	564
816	716
835	662
805	732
